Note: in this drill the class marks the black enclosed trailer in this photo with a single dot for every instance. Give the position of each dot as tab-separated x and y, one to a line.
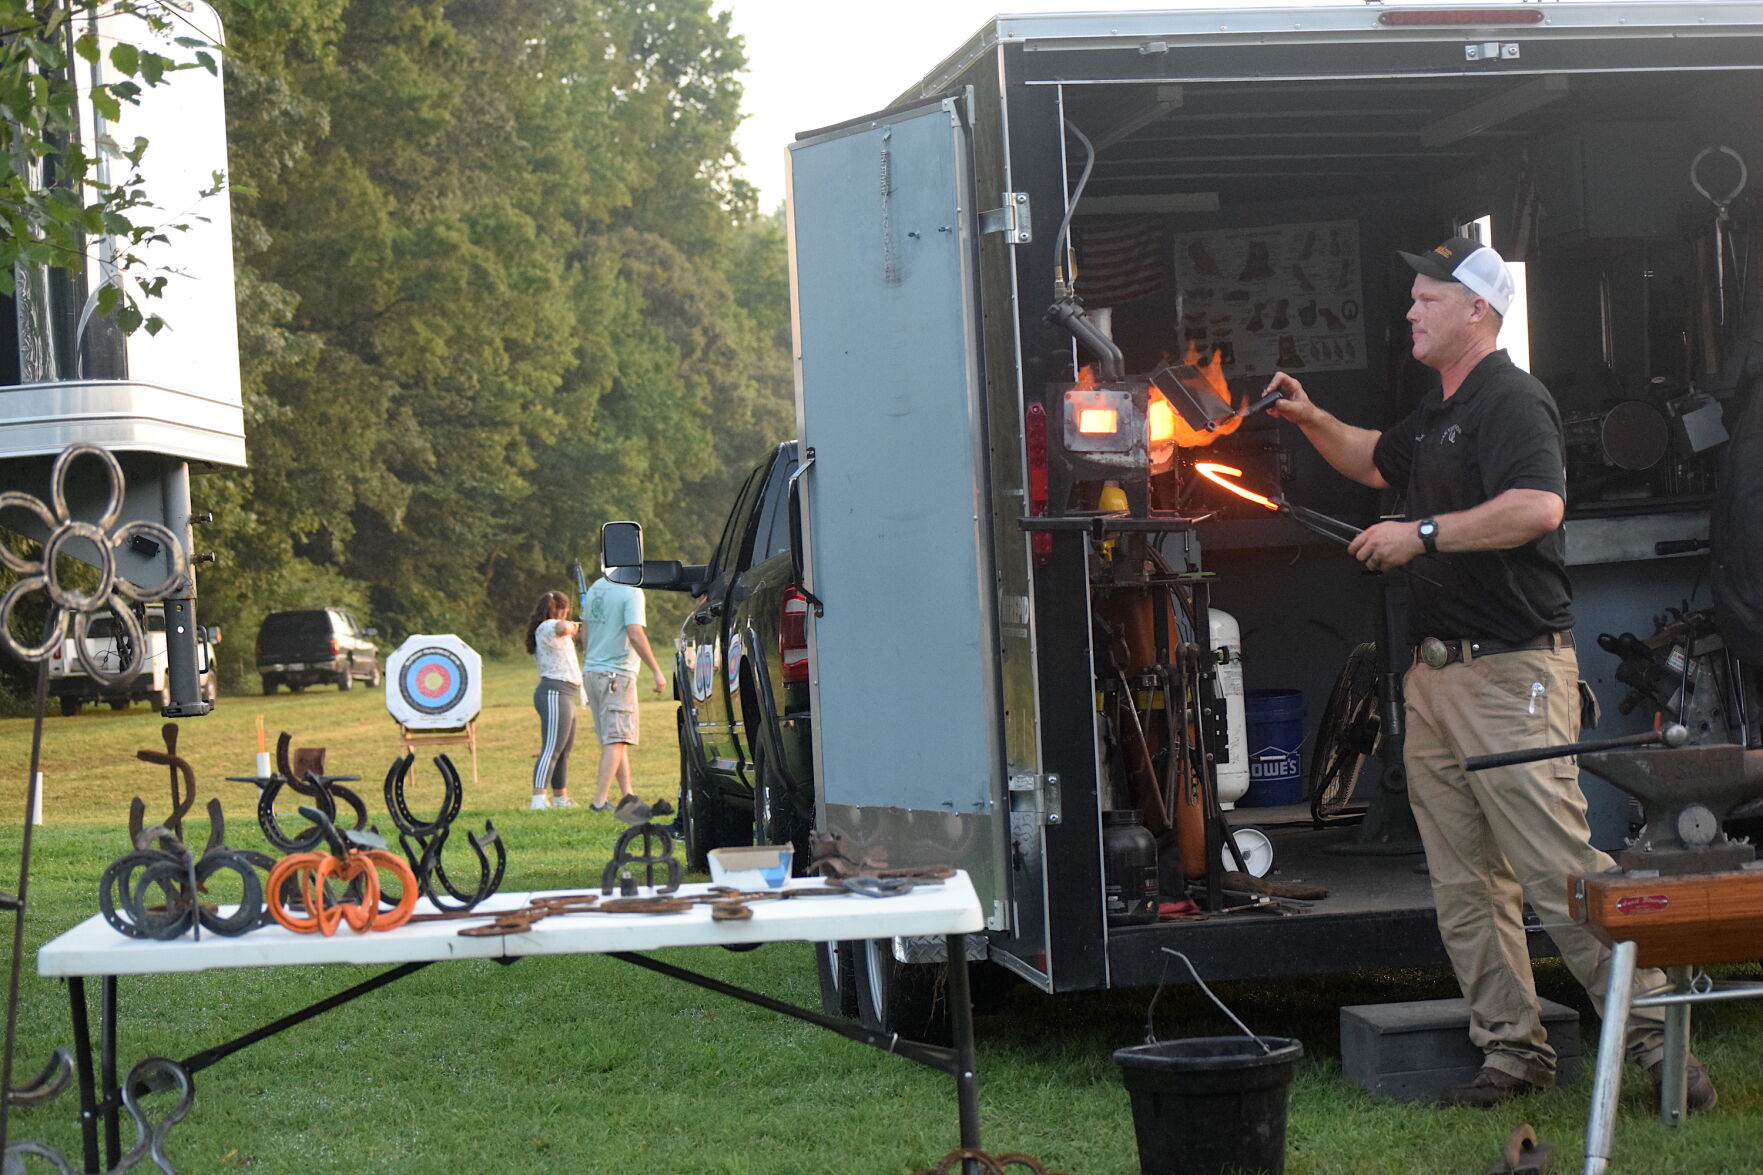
1006	648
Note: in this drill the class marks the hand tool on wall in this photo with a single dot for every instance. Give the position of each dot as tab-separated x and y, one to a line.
1722	219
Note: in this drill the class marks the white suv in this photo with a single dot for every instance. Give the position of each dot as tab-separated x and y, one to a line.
105	643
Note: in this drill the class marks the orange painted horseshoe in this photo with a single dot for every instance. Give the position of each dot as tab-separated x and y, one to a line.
311	872
407	889
289	866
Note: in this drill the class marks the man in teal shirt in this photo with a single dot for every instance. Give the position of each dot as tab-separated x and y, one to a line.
617	647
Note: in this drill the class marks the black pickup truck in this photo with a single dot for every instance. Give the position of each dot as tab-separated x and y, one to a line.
311	646
741	676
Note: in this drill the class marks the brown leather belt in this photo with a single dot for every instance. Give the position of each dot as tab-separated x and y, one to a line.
1438	653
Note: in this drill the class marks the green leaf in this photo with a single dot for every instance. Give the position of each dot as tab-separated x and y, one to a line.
45	54
126	58
153	68
129	319
107	299
87	47
6	286
206	61
155	324
105	103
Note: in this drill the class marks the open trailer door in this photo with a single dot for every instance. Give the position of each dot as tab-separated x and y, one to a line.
905	687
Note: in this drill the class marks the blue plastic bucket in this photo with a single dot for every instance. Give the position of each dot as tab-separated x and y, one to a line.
1276	747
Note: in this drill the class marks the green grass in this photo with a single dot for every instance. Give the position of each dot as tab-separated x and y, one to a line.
587	1064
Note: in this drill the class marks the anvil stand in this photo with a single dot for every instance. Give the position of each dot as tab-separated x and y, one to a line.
1686	793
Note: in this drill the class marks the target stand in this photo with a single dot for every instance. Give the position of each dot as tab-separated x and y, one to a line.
434	689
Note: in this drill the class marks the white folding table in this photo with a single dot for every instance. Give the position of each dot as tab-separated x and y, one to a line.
93	948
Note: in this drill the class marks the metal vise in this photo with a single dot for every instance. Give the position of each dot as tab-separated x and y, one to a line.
1686	792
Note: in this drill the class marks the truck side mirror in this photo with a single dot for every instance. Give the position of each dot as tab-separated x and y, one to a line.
621	552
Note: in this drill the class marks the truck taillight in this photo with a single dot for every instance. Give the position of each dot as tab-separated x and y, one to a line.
1041	542
335	647
792	634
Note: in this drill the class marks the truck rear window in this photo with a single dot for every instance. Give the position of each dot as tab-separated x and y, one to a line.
105	626
280	625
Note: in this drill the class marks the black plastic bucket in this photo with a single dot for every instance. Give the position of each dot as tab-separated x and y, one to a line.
1210	1105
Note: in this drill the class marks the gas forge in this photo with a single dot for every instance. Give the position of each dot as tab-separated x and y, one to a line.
1106	457
1125	434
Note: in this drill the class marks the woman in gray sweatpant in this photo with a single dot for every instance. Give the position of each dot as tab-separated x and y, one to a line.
551	639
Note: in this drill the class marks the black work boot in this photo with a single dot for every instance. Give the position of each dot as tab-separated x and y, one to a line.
1700	1087
1488	1088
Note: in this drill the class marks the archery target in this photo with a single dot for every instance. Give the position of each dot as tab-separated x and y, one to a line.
434	682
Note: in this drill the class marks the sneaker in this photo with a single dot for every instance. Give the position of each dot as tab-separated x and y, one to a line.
1700	1091
540	802
599	807
1487	1089
562	802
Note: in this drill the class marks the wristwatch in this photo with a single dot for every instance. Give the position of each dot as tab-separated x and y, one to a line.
1429	535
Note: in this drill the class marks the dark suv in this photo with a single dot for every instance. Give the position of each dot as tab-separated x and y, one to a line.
314	646
741	675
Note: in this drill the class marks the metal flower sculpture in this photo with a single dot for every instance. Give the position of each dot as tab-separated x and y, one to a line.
66	535
114	593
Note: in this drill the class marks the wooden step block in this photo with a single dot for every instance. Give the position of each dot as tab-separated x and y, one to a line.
1414	1051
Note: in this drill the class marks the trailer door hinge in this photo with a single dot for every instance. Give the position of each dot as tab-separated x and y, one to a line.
1491	51
1011	220
1036	793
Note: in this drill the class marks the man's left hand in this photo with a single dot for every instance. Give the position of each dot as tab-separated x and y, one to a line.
1387	546
660	685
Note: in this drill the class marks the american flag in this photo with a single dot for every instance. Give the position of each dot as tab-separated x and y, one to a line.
1121	259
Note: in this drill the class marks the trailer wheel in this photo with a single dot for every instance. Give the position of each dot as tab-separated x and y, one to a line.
905	998
836	963
119	703
269	684
345	681
159	699
69	707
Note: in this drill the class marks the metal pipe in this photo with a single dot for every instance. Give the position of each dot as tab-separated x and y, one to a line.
1674	1080
1110	360
107	1066
1600	1129
961	1019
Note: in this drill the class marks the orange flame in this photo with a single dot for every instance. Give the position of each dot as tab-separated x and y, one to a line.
1212	372
1219	474
1164	423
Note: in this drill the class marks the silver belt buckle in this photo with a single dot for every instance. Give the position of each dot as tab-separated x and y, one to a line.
1435	653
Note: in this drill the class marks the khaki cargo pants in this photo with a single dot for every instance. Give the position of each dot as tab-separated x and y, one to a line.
1498	838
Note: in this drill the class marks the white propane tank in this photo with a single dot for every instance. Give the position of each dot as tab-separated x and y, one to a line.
1227	649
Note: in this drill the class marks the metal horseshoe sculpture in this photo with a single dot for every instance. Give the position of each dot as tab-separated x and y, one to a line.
323	790
424	841
161	865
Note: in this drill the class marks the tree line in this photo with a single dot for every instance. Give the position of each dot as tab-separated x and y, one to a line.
497	283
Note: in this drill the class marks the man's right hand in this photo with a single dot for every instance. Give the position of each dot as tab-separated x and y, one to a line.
1294	404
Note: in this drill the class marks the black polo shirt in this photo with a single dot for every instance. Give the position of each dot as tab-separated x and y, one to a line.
1499	431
